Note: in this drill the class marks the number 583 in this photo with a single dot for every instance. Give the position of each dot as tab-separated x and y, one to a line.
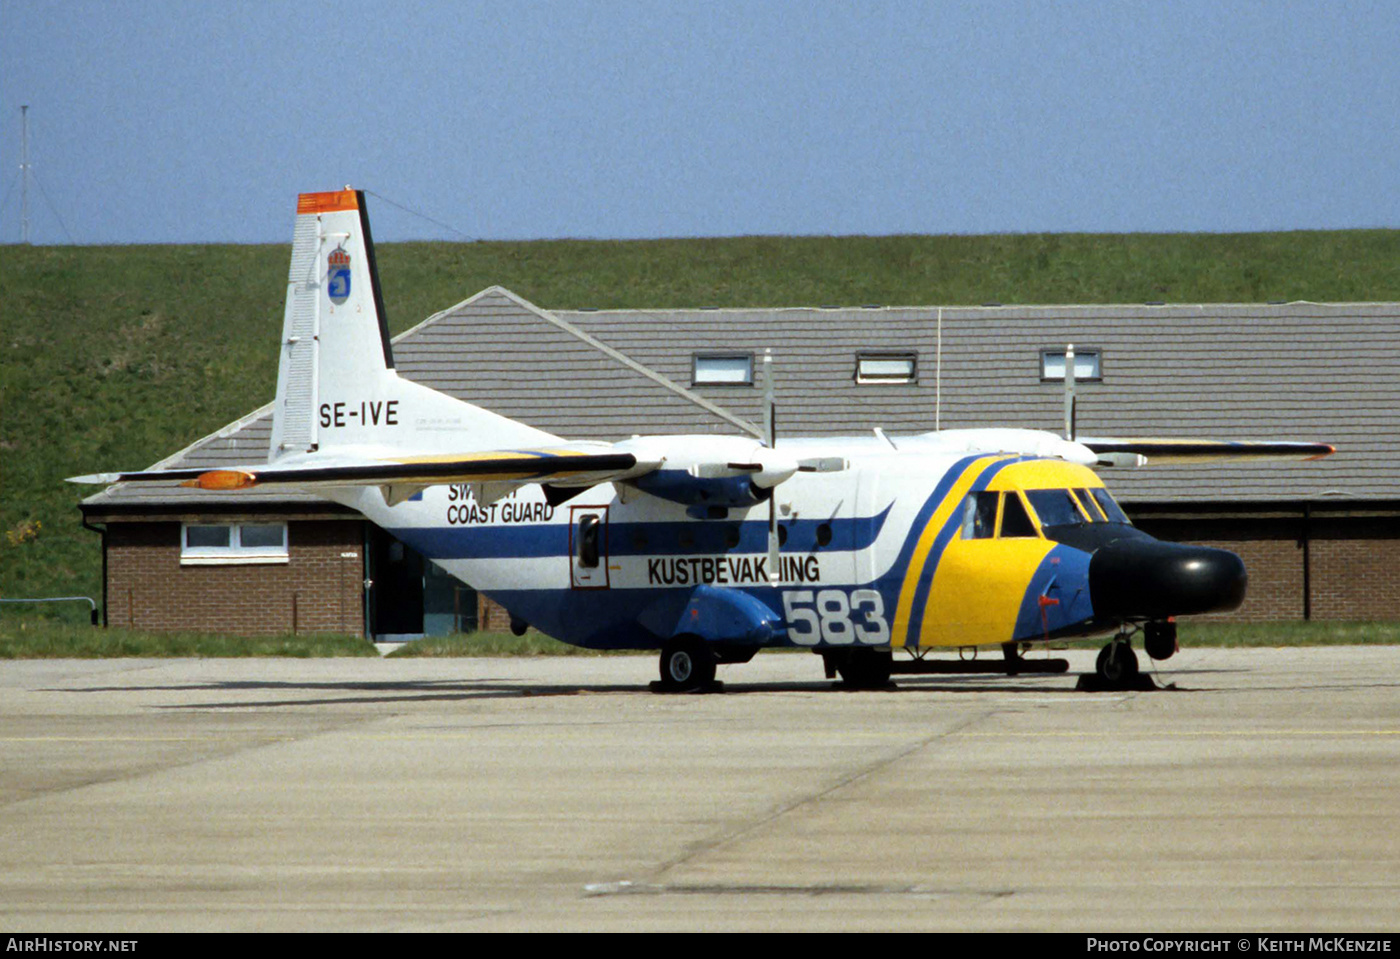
831	616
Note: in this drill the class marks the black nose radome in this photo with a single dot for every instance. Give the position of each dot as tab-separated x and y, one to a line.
1146	578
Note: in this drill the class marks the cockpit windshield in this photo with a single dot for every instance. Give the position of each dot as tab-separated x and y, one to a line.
1111	509
1074	507
1087	504
1055	507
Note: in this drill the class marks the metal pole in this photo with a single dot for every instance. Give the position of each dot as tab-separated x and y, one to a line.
938	377
24	174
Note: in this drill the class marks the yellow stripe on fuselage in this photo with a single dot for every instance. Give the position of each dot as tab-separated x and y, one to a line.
978	589
951	501
980	584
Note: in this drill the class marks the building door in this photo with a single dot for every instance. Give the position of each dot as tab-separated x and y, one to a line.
395	590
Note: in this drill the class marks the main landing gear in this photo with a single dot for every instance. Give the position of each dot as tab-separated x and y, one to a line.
687	665
861	668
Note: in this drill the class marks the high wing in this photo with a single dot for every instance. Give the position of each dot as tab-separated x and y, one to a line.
580	465
1138	451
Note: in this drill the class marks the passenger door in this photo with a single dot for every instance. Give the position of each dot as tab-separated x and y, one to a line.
588	547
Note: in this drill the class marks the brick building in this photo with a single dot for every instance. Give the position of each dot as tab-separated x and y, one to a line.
1320	539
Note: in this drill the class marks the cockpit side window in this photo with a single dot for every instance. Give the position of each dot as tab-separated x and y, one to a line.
1015	522
1111	509
1055	507
979	515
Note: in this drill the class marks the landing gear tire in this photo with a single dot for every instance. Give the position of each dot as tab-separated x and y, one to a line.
1117	665
866	668
686	664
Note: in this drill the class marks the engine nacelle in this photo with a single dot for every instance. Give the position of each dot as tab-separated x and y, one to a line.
679	486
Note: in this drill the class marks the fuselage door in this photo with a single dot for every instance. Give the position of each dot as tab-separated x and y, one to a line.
588	547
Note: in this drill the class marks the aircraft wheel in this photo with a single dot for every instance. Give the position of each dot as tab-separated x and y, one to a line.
1117	664
686	664
866	668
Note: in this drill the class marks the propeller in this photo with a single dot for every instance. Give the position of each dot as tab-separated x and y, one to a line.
1069	393
770	438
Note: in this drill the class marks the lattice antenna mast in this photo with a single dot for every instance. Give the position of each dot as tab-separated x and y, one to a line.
24	174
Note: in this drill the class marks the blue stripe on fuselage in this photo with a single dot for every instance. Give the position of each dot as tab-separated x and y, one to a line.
533	540
940	543
911	535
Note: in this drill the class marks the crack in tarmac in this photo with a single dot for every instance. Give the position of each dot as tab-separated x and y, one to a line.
773	816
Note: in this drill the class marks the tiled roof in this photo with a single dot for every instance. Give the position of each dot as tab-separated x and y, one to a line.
1322	372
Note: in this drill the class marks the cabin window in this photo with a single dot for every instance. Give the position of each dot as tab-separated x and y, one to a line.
1088	365
886	367
1055	507
233	543
1111	509
979	519
722	369
1015	521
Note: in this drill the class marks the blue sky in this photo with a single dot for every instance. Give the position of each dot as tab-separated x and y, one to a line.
162	122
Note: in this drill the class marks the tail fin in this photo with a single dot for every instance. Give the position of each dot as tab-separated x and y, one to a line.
336	383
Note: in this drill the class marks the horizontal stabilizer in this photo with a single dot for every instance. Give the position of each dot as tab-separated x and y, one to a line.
1157	451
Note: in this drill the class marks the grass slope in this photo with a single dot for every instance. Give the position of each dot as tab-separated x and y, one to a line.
115	357
49	640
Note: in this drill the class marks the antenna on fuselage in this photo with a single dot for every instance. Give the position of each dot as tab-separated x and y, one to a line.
1069	392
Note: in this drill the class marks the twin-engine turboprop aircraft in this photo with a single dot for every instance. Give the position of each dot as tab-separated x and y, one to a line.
711	548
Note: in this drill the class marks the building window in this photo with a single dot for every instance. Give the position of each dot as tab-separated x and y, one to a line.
1088	365
722	369
212	544
886	368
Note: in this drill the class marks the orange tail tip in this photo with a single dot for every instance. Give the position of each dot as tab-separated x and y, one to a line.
222	479
332	202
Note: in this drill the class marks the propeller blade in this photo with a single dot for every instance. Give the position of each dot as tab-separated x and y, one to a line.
770	425
1069	392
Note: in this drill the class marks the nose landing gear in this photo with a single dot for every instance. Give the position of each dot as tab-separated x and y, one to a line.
1117	664
1117	667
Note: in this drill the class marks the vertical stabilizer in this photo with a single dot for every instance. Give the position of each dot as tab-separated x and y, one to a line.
336	384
